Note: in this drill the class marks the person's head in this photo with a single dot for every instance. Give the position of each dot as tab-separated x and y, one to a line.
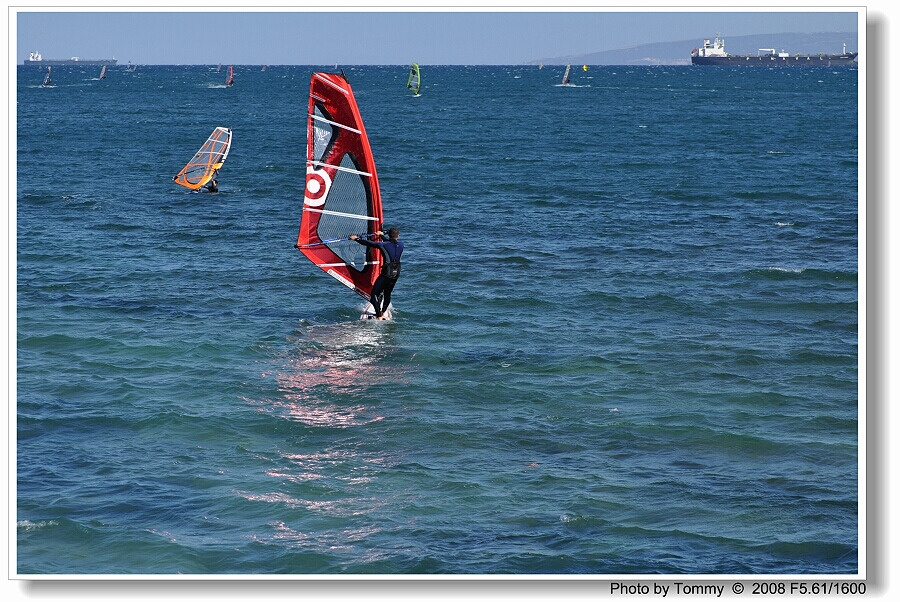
394	233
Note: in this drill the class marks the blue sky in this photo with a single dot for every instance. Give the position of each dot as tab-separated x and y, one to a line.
385	36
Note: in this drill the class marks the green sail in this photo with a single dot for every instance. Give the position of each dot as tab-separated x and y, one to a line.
415	79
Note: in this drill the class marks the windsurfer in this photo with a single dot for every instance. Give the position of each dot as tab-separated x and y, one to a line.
390	269
202	170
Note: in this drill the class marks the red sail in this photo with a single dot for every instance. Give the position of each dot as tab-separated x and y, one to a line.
342	196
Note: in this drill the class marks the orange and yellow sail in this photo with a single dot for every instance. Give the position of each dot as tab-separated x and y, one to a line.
208	160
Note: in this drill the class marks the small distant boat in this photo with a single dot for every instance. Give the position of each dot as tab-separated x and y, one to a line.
541	65
130	68
414	82
229	79
47	81
264	67
584	67
103	72
565	79
35	57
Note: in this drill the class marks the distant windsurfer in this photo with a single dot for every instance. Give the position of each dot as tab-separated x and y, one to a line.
390	269
213	185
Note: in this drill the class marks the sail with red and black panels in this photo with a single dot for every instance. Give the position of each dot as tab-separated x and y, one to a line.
342	196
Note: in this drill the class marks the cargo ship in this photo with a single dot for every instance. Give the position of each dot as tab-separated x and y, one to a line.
35	58
713	53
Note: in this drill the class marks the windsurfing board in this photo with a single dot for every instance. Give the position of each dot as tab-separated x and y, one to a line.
369	313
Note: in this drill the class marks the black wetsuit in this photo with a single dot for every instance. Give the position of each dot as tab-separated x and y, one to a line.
390	272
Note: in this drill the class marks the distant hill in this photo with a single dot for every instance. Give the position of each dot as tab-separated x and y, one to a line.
679	53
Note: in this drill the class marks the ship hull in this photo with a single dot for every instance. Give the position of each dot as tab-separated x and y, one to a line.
803	60
88	62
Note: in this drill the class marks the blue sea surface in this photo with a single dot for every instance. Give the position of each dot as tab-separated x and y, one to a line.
625	340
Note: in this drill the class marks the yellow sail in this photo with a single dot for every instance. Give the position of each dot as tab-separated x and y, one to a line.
208	160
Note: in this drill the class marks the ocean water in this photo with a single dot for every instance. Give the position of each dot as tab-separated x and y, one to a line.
625	340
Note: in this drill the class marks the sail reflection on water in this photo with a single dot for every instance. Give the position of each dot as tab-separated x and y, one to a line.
327	379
